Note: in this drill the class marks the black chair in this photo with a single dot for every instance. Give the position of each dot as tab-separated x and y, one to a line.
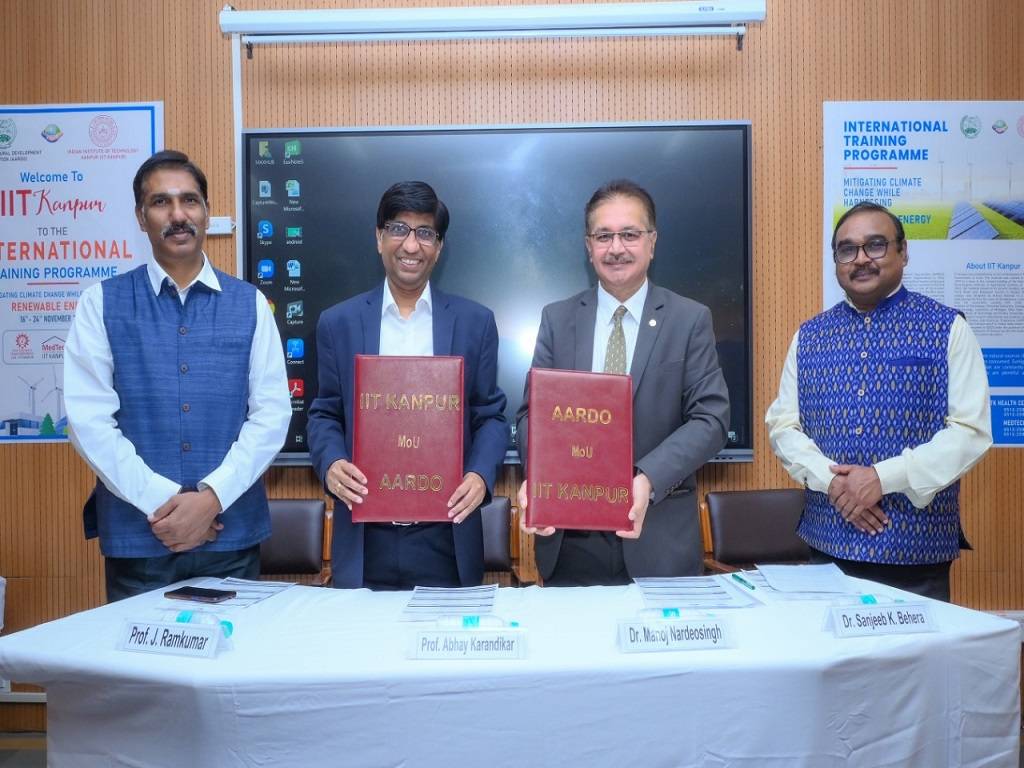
749	527
299	543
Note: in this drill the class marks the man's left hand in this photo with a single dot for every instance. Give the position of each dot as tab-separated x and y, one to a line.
862	485
187	520
641	500
467	497
856	493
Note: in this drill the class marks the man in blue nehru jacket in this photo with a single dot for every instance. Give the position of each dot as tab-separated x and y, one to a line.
882	407
176	396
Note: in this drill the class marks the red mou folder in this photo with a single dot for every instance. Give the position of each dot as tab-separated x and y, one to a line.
579	464
407	436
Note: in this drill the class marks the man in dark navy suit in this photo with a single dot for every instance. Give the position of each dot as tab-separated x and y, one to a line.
406	316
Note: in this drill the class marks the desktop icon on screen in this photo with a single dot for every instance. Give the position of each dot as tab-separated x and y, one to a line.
265	269
264	230
297	387
264	189
292	187
292	148
295	349
264	149
294	267
293	232
294	310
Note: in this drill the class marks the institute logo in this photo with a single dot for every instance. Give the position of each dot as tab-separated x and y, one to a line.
1000	126
970	126
103	130
52	133
22	350
8	132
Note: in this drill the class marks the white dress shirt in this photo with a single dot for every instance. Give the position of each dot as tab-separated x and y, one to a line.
919	472
606	306
413	335
91	402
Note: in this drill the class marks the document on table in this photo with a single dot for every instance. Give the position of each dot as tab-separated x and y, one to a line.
754	583
429	603
246	592
690	592
807	578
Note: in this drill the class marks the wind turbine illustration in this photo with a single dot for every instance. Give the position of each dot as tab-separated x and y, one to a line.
32	391
60	394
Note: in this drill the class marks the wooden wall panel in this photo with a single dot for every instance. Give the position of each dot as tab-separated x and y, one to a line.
807	52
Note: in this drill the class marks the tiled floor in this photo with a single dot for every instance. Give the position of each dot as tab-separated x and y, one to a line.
29	751
22	750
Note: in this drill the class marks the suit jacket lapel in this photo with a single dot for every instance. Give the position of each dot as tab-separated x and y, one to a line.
443	322
650	326
370	318
586	316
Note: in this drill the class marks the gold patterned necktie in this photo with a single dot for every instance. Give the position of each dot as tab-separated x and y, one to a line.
615	355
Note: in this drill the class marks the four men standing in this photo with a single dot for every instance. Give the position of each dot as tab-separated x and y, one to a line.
176	397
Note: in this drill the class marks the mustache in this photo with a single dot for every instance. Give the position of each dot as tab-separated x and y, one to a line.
174	229
865	270
622	258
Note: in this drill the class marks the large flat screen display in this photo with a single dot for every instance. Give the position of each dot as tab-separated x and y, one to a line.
515	243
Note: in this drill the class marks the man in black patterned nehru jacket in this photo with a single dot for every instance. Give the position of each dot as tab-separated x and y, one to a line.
882	407
680	402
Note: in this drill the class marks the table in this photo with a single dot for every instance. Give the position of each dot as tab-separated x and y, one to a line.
319	677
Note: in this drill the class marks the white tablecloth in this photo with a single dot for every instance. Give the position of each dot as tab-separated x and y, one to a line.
318	677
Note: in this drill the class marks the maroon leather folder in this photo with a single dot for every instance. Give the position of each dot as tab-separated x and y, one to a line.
579	468
407	436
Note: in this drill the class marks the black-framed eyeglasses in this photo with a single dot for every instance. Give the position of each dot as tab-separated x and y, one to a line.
875	250
399	230
627	236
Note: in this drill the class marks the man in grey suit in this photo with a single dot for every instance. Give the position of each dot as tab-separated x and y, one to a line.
680	401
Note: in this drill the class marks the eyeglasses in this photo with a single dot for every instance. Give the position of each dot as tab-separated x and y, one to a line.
875	250
627	236
399	230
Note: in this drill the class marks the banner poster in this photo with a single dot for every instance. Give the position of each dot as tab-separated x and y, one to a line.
953	171
66	221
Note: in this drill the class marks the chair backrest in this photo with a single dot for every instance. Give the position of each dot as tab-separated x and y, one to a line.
756	526
496	518
296	543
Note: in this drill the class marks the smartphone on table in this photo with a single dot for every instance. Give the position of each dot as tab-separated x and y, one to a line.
200	594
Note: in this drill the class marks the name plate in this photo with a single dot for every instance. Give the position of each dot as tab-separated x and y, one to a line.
171	638
468	644
650	636
895	619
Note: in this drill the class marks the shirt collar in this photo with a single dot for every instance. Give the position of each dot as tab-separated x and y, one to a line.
893	298
423	302
607	304
206	276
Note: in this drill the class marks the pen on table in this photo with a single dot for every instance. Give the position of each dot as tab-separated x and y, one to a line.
743	581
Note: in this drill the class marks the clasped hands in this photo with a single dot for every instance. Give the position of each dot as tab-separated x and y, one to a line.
347	482
187	520
856	493
637	513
